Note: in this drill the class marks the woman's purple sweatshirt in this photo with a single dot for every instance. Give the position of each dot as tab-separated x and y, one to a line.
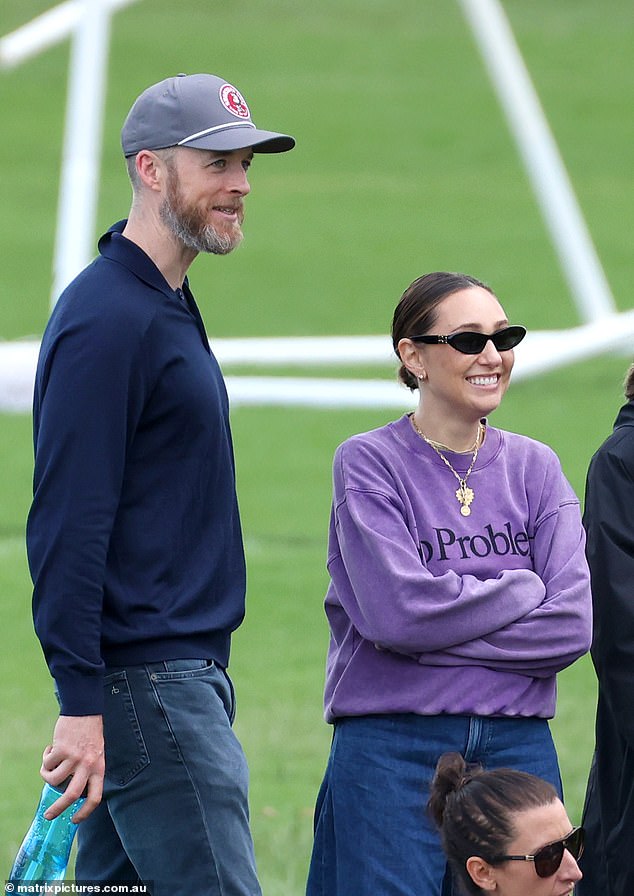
434	612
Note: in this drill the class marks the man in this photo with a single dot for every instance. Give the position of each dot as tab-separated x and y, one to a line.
608	863
134	538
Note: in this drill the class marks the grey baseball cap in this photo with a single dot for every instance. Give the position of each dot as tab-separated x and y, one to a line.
200	111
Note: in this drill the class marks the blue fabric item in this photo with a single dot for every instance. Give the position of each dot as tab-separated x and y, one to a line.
133	538
171	722
372	832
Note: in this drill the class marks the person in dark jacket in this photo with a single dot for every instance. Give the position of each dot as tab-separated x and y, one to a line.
133	538
608	865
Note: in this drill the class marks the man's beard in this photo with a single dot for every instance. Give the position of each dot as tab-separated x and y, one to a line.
188	225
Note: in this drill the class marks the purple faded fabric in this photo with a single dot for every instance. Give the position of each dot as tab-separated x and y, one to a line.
434	612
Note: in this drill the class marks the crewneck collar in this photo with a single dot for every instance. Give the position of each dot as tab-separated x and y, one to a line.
409	438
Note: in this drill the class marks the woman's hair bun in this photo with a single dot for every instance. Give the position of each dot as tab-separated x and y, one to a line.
452	774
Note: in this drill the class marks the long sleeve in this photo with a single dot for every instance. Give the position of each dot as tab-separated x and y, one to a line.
423	600
88	401
609	521
134	538
558	631
427	612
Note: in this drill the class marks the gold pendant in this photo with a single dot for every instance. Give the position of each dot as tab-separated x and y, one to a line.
465	495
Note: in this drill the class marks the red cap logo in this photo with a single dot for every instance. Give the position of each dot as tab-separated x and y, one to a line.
233	101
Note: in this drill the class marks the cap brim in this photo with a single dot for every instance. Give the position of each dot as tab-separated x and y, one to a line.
241	138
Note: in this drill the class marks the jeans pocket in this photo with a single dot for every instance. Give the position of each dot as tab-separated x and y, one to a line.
175	670
126	753
230	703
188	682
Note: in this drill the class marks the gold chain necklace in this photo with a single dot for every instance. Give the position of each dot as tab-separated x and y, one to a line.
464	494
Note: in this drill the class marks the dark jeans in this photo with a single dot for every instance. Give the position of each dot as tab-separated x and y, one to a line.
175	810
372	832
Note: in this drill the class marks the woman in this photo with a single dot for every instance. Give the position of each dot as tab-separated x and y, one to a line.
504	831
459	588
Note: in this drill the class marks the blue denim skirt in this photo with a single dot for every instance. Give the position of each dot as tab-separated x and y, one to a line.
372	831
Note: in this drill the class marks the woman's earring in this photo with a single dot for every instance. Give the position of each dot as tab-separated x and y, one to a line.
421	376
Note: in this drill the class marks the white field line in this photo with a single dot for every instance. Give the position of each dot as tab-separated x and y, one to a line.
540	352
45	30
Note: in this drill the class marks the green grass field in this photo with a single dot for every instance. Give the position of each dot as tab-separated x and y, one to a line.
404	164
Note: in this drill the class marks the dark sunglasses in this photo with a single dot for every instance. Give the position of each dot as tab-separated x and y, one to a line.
473	343
548	859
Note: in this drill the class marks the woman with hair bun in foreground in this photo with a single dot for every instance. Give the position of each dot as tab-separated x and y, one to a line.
504	831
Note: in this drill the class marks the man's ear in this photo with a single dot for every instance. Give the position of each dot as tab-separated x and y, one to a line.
481	873
150	169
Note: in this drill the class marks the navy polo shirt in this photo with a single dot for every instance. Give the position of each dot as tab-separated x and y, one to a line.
133	538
